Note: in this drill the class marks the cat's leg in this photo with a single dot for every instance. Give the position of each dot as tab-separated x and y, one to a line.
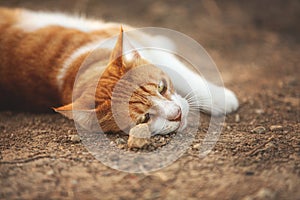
209	97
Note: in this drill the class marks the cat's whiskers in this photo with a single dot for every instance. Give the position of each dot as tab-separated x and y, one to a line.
193	100
189	93
204	104
207	108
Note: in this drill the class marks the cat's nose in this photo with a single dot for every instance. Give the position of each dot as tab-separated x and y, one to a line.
176	116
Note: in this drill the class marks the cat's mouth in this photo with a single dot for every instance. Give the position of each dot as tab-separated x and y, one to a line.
181	119
184	109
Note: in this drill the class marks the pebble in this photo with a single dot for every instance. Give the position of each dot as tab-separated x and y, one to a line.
294	156
162	176
259	111
276	128
265	193
162	140
75	138
197	146
120	141
139	136
50	172
270	145
259	130
293	101
237	118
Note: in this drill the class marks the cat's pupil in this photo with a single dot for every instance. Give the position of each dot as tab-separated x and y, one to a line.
144	119
162	87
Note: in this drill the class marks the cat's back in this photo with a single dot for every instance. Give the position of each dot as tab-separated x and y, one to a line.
34	47
8	16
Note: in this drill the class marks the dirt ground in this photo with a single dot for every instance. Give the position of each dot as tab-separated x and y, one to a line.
255	44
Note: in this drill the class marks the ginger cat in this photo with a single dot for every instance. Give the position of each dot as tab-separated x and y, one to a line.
41	53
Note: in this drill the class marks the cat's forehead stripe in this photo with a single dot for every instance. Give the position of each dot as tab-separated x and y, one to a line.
146	89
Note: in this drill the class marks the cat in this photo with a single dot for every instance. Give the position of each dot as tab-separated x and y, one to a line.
41	53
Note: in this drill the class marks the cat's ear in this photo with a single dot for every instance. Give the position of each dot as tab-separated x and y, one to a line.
80	105
118	56
65	110
80	113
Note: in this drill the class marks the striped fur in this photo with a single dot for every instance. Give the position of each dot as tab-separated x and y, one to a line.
41	53
31	61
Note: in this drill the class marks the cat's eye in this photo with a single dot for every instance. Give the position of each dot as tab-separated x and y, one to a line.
162	86
144	119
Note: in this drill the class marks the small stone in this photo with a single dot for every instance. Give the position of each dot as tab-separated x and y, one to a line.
265	193
294	156
139	136
164	176
247	198
237	118
50	172
259	111
259	130
270	145
121	146
197	146
276	128
293	101
75	138
162	140
120	141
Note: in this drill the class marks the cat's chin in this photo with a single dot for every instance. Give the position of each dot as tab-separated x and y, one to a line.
180	127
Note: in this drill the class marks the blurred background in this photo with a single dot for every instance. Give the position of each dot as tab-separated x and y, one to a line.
256	32
212	20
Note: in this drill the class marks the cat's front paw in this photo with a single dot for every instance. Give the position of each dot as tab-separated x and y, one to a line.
225	106
231	102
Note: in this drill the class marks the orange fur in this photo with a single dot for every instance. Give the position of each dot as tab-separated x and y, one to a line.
30	61
116	68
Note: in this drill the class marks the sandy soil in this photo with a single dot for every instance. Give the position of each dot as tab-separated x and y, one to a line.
255	45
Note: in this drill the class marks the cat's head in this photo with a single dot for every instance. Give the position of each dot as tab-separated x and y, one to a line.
132	91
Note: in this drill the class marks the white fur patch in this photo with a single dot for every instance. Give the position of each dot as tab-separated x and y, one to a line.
211	98
30	21
63	70
101	43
